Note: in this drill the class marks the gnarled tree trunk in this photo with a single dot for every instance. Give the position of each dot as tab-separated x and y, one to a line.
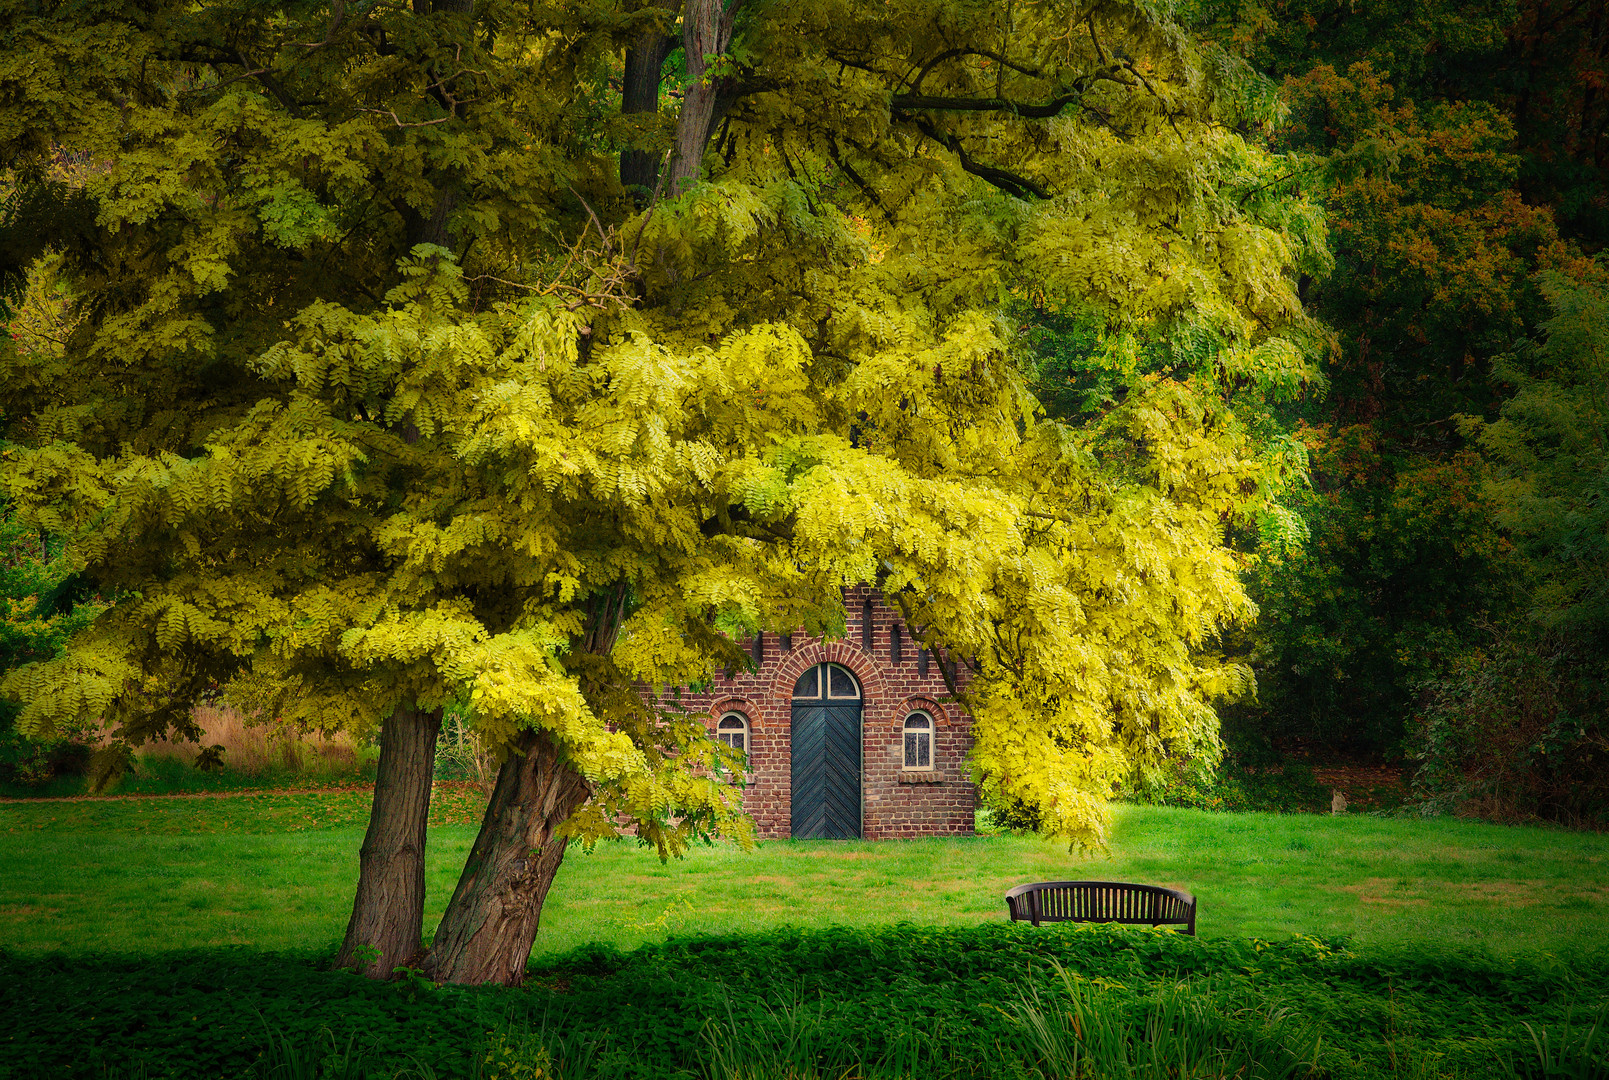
432	227
706	32
388	913
490	924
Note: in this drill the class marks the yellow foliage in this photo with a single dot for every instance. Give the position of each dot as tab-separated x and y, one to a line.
330	471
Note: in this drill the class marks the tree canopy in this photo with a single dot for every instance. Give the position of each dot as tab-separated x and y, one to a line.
497	352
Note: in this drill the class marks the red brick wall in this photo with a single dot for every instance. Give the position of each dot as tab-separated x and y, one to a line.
889	808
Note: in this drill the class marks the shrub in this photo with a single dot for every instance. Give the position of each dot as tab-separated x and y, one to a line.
35	762
1235	785
1518	733
41	606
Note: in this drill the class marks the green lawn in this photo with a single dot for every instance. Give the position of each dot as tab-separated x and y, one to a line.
277	871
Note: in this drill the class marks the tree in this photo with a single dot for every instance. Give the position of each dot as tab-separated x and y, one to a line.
40	610
42	603
1551	446
399	381
1405	118
1516	728
1550	79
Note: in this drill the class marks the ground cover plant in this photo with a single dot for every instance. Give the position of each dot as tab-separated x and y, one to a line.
1002	1000
272	871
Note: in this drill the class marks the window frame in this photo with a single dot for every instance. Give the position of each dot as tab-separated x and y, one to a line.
931	730
813	669
742	718
746	774
824	671
858	695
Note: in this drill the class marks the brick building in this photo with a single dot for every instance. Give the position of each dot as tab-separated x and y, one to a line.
850	738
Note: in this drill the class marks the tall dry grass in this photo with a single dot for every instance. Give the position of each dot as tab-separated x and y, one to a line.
255	748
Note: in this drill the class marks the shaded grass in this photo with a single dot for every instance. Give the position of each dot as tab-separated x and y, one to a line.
276	871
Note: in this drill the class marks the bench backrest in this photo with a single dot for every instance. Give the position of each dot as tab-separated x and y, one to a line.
1102	901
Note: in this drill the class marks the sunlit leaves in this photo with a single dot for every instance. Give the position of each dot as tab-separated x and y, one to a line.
571	447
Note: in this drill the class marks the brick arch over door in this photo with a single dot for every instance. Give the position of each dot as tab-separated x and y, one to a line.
873	692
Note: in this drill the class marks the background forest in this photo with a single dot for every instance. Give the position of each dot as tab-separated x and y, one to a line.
1444	605
1449	605
1438	594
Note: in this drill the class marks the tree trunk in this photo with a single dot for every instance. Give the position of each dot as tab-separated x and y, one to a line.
432	228
490	924
645	60
388	913
706	31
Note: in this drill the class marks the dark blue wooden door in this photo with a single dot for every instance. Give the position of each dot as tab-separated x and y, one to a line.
826	767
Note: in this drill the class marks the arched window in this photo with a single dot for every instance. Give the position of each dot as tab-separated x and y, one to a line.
733	730
919	741
827	681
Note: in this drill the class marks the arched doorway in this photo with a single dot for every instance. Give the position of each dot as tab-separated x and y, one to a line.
826	754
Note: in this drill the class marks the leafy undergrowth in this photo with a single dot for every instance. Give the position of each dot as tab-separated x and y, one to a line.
902	1001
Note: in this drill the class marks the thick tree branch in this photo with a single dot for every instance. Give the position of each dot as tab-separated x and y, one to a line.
930	103
645	61
706	34
838	159
737	521
1009	182
1026	110
265	76
952	54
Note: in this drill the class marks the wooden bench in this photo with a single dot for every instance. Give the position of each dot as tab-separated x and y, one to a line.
1102	901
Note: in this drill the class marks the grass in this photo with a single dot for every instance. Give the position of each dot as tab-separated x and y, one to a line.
276	871
190	937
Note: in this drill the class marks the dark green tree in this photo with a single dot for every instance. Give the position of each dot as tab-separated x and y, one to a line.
1520	726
